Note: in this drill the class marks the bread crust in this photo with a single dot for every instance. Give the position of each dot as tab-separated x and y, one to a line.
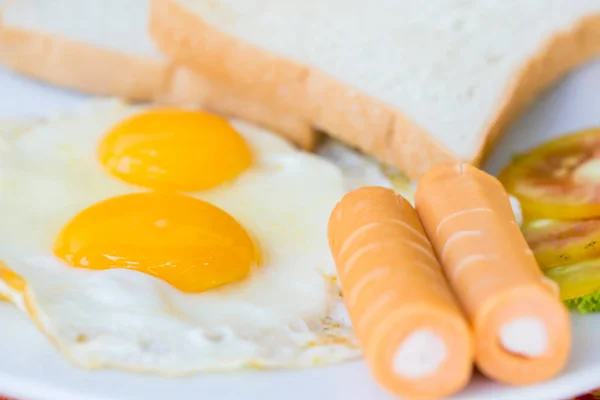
185	86
79	66
370	125
562	53
91	69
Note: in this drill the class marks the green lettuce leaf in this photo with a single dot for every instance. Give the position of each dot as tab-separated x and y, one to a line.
585	304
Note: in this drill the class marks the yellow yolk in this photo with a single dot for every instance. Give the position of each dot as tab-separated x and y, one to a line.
175	150
184	241
12	279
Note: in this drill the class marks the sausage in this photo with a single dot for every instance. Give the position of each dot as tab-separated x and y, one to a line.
414	336
521	329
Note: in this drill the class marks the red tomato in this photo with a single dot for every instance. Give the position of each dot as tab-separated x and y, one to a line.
576	280
557	243
558	180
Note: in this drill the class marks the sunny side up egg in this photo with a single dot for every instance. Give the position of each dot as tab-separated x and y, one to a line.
172	242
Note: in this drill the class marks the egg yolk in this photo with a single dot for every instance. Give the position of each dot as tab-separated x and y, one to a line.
174	150
11	278
184	241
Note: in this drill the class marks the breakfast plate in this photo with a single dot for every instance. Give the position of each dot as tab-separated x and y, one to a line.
30	367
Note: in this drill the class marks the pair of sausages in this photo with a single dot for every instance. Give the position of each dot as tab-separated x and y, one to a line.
432	289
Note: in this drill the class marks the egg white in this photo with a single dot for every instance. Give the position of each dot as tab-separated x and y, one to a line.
287	313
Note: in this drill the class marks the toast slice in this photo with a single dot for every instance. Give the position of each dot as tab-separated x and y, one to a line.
413	83
102	48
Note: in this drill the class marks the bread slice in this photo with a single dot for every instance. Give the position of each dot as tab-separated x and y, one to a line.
413	83
102	48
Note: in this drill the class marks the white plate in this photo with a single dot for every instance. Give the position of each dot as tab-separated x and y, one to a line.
30	368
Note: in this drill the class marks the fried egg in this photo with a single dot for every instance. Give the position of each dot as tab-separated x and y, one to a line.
172	241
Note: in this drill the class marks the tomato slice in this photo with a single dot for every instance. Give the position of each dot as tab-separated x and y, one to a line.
576	280
557	243
558	180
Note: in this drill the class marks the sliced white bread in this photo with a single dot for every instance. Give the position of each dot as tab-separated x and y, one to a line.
103	48
413	83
